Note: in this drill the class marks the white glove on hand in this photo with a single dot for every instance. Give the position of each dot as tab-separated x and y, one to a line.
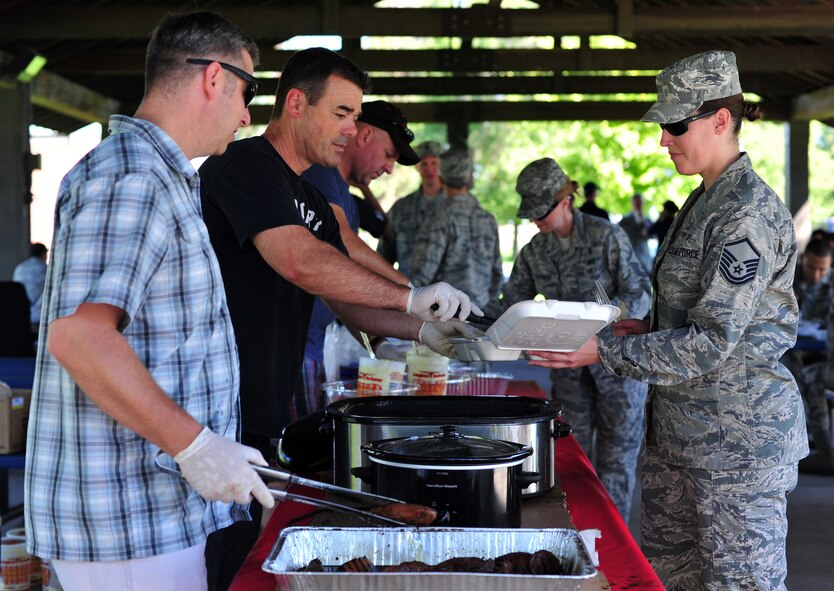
445	297
436	335
219	470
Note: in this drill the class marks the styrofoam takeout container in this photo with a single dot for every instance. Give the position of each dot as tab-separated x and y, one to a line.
550	325
297	546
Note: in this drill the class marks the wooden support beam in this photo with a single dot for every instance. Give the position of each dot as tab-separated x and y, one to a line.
63	96
441	112
625	18
280	22
475	111
815	105
751	59
762	84
797	135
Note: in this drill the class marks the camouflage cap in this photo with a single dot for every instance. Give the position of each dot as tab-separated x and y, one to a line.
685	85
456	167
537	184
424	149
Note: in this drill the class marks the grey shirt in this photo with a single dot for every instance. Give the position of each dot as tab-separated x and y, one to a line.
458	244
406	216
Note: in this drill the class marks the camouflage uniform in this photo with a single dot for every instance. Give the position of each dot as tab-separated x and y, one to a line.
458	244
725	424
813	299
407	216
817	378
812	374
592	398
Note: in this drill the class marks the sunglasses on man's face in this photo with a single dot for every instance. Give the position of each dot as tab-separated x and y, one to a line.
678	128
251	88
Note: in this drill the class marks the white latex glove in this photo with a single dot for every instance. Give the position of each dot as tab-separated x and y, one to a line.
447	299
436	335
219	470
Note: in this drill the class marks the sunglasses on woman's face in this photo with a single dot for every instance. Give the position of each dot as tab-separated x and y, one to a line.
251	88
678	128
549	211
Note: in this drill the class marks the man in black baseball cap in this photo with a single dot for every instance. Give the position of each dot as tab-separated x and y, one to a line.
386	116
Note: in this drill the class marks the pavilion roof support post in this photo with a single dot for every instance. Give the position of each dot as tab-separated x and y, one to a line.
797	134
15	115
625	18
457	130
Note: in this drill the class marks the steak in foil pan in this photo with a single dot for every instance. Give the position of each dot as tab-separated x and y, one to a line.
333	546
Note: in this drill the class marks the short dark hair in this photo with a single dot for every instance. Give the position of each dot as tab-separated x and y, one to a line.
670	206
37	250
818	247
590	188
193	34
309	69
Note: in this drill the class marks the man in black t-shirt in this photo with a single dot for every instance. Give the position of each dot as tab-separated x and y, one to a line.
591	190
278	245
278	242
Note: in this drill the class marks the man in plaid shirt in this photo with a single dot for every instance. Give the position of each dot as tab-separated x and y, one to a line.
137	362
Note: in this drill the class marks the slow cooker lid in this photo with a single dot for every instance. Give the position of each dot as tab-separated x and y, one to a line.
461	410
448	446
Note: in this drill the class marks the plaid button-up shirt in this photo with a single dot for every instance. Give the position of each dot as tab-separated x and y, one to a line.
129	233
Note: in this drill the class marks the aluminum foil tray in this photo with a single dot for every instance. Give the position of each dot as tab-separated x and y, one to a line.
297	546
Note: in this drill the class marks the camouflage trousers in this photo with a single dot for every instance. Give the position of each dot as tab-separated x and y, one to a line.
595	402
710	530
815	380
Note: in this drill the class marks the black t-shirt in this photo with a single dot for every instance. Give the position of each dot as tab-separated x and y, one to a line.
592	208
245	191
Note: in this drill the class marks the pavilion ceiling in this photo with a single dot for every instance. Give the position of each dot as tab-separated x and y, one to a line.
785	49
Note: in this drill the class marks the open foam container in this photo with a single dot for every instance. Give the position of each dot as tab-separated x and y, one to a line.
549	325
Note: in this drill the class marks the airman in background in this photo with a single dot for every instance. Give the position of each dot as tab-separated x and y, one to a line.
563	262
408	213
458	243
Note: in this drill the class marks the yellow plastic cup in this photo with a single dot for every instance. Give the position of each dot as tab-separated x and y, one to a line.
428	371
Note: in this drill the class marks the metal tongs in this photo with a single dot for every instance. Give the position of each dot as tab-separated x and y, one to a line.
367	500
481	320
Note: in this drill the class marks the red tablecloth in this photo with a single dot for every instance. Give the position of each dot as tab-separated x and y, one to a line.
589	505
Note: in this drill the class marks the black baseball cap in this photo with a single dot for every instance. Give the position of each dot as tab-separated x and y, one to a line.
386	116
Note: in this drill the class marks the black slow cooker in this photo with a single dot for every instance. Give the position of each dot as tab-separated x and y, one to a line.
477	481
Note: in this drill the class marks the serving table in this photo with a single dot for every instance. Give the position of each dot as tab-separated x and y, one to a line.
578	500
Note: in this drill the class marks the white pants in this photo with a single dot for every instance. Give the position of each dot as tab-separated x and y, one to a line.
175	571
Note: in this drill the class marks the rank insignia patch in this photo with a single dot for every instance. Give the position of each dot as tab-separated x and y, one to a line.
739	261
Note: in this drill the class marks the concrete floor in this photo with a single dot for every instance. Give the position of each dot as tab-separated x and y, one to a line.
810	512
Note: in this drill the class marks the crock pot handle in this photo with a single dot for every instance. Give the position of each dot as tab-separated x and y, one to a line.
524	479
562	430
364	473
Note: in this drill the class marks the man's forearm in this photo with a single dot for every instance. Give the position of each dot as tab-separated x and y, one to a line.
320	269
377	322
101	362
